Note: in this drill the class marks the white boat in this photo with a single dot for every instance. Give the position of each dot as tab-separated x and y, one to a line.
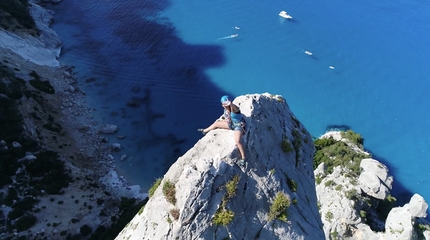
285	15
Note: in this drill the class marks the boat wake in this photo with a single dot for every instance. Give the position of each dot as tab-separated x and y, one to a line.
228	37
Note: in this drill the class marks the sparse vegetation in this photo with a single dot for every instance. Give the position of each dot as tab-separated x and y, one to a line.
292	184
231	186
329	216
420	228
174	213
223	217
337	153
169	191
154	187
351	194
363	214
279	207
286	146
385	206
141	210
355	138
329	183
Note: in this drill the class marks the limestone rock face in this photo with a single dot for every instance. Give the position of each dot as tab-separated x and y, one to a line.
348	204
202	176
374	179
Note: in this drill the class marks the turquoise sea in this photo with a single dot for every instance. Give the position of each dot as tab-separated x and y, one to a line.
168	58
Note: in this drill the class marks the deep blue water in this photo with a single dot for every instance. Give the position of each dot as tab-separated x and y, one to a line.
167	56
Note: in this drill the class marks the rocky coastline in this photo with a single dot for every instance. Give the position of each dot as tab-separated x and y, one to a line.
59	181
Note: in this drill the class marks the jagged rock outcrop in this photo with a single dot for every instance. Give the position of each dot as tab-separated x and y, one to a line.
349	204
197	189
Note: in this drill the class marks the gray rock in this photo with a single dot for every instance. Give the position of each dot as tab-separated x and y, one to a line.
109	129
16	144
71	89
418	206
201	174
116	147
374	179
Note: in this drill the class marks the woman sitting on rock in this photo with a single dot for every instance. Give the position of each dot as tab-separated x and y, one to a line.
231	119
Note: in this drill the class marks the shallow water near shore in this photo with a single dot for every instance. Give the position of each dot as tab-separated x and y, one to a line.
167	57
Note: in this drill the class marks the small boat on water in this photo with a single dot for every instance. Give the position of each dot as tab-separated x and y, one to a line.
284	14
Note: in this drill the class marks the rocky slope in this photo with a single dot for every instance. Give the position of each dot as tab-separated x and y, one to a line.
205	195
355	203
56	180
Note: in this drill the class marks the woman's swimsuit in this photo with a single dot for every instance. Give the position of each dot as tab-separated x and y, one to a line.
235	121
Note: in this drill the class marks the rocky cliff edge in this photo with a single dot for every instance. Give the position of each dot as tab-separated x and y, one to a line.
206	195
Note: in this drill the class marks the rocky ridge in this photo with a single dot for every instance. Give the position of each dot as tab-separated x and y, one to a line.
206	195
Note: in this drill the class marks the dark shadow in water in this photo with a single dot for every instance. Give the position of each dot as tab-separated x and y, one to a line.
340	127
175	63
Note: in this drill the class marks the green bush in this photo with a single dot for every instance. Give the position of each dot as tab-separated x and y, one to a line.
169	191
223	217
286	146
329	216
337	153
174	213
154	187
353	137
363	214
292	184
351	194
231	186
279	206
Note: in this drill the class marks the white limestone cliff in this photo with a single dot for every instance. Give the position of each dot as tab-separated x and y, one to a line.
348	204
201	174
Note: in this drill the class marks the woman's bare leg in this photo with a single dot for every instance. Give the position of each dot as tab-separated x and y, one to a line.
215	125
237	136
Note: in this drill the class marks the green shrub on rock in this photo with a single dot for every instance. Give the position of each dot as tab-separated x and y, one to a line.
231	186
169	191
279	207
223	217
286	146
154	187
337	153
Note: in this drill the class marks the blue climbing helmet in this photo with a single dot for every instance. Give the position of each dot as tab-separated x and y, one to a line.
225	99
